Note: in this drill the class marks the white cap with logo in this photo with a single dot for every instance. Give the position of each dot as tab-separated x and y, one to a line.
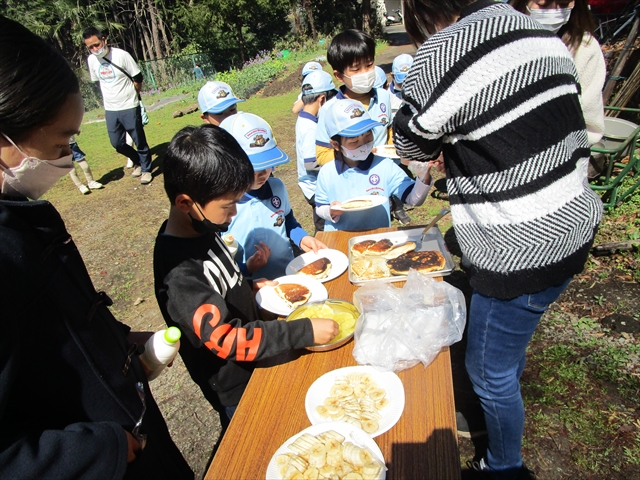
216	97
256	138
311	67
317	82
400	67
348	118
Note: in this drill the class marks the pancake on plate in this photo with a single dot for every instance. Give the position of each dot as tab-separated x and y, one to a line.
293	294
356	204
318	269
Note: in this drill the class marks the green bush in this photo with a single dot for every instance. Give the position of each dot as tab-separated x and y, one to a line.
254	75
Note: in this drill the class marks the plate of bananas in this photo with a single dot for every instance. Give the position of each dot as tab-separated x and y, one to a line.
328	450
361	396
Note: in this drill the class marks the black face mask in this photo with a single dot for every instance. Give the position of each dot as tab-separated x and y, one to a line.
204	226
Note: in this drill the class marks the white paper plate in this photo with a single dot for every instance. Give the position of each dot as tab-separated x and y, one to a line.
351	433
319	390
268	299
386	151
339	262
375	199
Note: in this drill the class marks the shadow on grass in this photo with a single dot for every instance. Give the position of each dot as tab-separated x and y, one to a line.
157	151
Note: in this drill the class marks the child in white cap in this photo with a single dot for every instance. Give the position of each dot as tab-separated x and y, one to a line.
317	88
381	78
400	68
357	172
308	68
217	102
265	221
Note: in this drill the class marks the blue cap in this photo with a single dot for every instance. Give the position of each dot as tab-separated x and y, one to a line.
216	97
348	118
317	82
256	138
381	77
311	67
400	68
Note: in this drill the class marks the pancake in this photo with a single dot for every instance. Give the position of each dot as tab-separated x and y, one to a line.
356	204
380	247
318	269
361	247
428	261
293	294
398	250
369	268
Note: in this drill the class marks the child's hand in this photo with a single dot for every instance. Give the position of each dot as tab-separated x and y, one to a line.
263	282
324	329
309	243
335	213
258	259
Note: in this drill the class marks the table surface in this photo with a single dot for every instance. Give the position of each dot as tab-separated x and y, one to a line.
422	445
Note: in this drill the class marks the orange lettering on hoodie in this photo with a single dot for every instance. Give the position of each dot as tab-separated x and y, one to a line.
252	344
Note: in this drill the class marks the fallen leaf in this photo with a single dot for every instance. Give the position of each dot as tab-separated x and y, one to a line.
138	301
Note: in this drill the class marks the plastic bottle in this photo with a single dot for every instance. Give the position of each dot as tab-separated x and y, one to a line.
160	350
231	243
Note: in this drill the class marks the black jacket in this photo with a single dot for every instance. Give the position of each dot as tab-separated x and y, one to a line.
64	400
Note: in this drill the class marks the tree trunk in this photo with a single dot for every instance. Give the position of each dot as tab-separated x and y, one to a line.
366	16
297	24
147	52
153	17
163	31
307	6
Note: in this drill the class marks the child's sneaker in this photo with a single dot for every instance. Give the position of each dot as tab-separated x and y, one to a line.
137	171
93	185
83	189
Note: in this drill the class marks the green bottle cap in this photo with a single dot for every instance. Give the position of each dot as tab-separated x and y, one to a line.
172	334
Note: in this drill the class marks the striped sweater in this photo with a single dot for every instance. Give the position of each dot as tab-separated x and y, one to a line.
498	95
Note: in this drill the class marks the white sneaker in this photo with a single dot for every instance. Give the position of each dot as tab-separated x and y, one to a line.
93	185
129	163
83	189
137	171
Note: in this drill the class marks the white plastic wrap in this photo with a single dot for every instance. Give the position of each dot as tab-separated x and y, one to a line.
399	327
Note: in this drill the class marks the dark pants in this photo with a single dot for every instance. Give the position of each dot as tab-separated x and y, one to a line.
317	221
129	121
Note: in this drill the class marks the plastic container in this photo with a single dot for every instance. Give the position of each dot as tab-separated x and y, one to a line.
160	350
616	131
231	243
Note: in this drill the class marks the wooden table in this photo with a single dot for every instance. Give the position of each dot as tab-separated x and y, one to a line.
422	445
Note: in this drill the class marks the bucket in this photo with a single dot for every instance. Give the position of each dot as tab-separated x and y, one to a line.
285	53
616	131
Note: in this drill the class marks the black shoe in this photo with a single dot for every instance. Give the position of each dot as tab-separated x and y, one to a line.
402	216
463	428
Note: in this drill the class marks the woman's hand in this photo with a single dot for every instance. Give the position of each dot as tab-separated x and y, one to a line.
310	243
258	259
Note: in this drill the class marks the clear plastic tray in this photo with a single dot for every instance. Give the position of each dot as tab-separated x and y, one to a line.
433	240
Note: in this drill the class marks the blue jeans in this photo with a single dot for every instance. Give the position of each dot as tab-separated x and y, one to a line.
498	335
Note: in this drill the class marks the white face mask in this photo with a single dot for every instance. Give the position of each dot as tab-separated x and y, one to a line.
33	177
102	52
362	82
359	154
551	18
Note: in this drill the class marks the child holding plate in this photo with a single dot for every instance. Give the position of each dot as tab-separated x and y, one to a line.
357	172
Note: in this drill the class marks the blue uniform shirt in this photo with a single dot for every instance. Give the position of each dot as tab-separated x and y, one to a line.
379	110
374	176
265	215
306	127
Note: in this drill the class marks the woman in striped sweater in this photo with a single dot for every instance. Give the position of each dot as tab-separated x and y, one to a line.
498	95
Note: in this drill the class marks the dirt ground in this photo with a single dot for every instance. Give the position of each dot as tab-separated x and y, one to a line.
115	231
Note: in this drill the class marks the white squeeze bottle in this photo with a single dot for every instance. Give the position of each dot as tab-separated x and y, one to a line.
231	243
160	350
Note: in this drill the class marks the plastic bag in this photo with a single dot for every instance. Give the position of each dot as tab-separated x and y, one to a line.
399	327
143	114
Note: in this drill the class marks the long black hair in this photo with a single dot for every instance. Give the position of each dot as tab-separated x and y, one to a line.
35	80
